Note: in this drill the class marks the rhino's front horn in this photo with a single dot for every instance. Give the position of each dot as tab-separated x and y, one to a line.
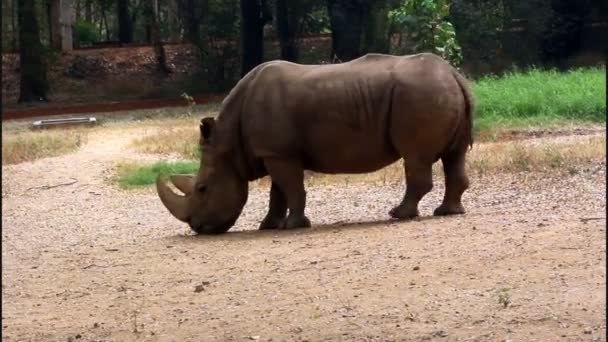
185	183
177	205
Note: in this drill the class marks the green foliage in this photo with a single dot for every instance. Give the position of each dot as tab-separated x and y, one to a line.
85	33
219	56
425	24
130	175
541	98
315	19
224	19
478	24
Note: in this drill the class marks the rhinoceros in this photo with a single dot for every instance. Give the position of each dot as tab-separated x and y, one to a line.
283	118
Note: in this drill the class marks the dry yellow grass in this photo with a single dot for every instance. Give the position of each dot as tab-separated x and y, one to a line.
547	154
560	154
563	155
18	147
537	155
170	139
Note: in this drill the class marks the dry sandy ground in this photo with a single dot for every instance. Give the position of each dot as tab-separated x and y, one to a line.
89	262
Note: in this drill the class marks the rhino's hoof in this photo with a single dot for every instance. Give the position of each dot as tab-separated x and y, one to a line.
403	213
444	210
294	222
272	223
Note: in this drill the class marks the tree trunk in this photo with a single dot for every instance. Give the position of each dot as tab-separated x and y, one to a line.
287	23
192	19
174	25
61	18
78	10
54	23
347	21
125	26
254	15
104	17
562	36
34	84
376	36
88	11
14	14
159	49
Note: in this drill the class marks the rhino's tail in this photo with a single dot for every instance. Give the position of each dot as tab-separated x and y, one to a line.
469	108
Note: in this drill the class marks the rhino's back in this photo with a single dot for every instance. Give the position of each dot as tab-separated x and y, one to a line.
338	118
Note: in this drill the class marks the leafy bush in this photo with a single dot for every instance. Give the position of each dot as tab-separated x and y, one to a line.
85	33
478	24
426	27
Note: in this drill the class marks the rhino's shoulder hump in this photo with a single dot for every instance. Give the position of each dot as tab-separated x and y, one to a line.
279	71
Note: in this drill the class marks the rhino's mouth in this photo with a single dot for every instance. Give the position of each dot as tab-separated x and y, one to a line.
211	229
178	205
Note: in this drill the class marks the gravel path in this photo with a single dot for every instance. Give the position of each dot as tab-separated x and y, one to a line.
84	260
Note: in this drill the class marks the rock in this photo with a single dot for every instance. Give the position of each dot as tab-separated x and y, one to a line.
440	333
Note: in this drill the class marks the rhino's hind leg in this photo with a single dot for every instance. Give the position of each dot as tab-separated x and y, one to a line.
419	178
289	177
277	209
456	182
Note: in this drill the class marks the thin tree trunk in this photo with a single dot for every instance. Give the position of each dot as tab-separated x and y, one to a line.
287	22
254	15
192	22
159	49
78	10
14	14
347	22
34	84
52	13
173	19
88	11
125	26
376	35
105	21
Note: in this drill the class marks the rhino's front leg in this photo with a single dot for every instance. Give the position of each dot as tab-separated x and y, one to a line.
277	209
289	176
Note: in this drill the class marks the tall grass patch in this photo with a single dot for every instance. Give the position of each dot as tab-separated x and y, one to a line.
558	156
181	140
25	146
540	98
522	156
131	175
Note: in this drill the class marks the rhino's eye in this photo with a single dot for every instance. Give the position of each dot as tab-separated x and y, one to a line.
201	188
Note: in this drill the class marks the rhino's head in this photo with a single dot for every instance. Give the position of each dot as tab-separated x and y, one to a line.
214	198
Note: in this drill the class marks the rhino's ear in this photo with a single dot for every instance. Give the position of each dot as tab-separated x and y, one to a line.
207	126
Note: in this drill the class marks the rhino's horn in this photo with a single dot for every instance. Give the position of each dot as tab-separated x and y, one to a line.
185	183
176	204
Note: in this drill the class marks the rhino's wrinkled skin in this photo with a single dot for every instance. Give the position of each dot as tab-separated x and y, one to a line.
283	118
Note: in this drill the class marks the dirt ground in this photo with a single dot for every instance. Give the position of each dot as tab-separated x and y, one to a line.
83	260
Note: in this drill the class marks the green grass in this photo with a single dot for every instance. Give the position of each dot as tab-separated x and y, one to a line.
135	175
540	98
